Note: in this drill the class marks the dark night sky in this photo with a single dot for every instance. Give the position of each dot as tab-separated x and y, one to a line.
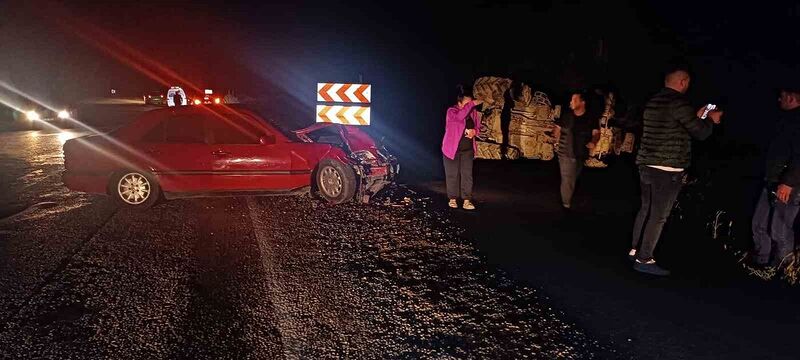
411	52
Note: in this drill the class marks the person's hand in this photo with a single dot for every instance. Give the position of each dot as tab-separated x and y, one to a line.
590	145
470	133
477	102
700	111
783	193
715	116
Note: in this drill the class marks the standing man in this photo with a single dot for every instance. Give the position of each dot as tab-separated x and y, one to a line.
780	193
574	134
670	124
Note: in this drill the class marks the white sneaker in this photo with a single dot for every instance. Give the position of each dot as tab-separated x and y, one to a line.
468	205
453	204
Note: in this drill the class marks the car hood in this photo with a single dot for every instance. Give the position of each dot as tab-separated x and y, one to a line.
355	138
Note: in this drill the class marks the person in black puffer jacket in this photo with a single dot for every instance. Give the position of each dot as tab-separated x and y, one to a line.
669	124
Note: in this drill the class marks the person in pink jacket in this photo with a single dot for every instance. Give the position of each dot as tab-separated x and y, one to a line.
462	123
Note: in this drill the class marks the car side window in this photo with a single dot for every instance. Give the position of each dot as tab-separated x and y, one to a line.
185	129
232	130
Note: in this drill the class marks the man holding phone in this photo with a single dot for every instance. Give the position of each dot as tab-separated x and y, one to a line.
670	124
780	194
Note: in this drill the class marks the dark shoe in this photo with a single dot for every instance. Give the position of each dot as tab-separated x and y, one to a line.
650	268
632	255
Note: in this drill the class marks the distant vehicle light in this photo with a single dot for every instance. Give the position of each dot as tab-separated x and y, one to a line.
63	114
197	101
32	115
148	96
216	101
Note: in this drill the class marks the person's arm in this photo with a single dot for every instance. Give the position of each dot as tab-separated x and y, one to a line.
592	134
791	176
698	129
460	115
476	118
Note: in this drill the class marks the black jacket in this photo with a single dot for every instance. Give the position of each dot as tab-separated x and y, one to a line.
669	125
783	156
576	134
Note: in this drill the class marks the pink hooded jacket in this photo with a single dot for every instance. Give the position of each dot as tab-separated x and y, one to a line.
455	123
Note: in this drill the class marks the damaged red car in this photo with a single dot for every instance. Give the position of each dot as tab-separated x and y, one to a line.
225	150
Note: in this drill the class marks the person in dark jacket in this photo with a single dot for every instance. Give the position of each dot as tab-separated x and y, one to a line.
669	125
780	194
574	134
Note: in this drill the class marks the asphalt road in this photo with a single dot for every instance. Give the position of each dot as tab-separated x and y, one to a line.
710	308
261	278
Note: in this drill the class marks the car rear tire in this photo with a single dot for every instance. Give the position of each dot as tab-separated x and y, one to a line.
335	181
133	189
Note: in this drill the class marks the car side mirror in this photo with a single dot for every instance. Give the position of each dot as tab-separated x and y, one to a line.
266	139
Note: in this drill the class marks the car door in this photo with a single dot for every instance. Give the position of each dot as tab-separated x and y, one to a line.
179	155
241	162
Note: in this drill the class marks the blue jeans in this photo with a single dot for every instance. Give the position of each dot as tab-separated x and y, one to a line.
774	237
659	191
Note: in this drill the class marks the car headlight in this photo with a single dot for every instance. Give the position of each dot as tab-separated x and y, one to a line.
63	114
32	115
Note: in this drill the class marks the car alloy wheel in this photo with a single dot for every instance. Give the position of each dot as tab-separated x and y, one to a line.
134	188
331	181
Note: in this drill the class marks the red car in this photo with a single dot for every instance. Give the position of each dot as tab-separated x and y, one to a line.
194	151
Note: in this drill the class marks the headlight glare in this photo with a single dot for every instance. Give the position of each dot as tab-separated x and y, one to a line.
32	115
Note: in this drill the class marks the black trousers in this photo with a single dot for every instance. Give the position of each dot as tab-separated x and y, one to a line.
659	191
458	174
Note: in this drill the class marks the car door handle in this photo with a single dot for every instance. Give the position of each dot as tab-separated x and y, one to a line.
220	153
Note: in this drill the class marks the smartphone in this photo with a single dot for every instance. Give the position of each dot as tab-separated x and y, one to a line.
709	107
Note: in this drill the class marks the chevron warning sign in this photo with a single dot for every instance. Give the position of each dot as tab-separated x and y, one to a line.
344	93
346	115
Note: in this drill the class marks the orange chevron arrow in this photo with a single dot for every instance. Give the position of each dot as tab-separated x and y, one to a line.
360	93
342	115
324	113
342	92
358	116
324	92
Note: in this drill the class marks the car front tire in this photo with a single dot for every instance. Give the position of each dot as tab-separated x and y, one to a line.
133	189
335	182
